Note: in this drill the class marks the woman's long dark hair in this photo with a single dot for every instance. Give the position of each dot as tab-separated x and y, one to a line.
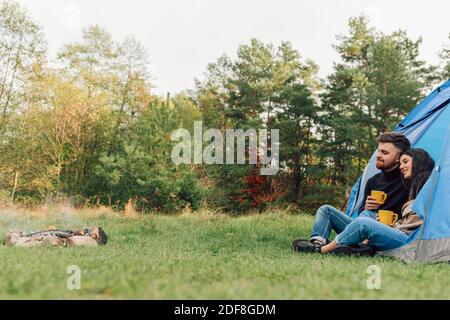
417	184
422	165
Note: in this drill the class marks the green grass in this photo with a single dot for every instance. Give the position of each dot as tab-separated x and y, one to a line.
204	256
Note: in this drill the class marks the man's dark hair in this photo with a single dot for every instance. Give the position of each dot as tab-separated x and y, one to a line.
397	139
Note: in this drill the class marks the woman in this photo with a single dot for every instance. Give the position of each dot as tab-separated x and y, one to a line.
416	166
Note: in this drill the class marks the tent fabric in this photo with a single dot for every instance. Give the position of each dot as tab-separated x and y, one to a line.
427	126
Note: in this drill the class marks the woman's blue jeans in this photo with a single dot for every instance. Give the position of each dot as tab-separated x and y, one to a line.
381	236
329	218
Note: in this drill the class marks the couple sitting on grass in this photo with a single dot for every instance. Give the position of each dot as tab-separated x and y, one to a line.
404	171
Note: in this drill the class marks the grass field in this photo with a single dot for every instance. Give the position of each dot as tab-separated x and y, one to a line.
201	256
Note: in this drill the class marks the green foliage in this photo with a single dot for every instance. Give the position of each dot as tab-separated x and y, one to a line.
22	47
142	167
295	122
263	88
89	127
444	72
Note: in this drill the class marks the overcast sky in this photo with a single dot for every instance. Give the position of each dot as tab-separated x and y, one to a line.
183	36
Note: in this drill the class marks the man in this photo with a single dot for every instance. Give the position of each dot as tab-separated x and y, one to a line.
389	180
89	237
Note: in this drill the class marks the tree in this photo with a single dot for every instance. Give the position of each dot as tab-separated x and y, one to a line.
296	123
21	46
394	75
444	55
378	79
143	170
116	84
131	86
89	62
22	50
265	87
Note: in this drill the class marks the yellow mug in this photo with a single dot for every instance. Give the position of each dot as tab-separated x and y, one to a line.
387	217
379	195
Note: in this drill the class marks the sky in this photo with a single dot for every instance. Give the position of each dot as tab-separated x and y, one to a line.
183	36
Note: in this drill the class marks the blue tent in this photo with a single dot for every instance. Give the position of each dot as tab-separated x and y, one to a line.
427	126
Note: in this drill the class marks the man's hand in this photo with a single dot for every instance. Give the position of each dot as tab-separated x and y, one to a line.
371	203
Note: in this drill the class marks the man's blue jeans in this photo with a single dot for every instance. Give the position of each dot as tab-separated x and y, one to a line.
380	235
329	218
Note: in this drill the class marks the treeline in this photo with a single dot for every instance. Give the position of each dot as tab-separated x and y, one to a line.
86	124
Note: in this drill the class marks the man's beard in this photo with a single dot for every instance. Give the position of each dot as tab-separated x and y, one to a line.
381	165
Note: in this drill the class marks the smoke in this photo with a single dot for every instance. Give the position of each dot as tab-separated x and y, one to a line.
25	220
